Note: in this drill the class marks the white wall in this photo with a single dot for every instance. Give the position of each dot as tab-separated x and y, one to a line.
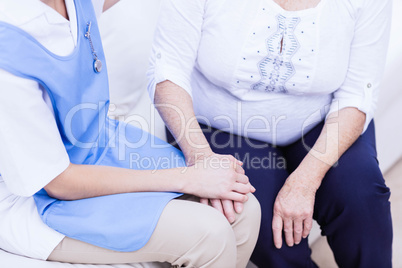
388	118
127	34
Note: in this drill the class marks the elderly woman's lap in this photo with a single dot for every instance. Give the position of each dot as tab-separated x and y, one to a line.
352	203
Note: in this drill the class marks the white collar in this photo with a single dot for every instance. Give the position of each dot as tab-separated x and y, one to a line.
20	12
23	11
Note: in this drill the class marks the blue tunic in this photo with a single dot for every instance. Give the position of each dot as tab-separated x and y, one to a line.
80	98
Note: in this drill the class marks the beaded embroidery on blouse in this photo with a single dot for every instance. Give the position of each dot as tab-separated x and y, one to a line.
277	67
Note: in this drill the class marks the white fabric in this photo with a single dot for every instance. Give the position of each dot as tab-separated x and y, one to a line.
127	31
32	153
226	51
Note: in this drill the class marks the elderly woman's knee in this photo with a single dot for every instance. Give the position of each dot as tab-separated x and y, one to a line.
354	186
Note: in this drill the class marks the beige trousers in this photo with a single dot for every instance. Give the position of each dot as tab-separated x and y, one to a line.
188	234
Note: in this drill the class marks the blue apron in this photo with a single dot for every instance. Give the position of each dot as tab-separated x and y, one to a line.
80	98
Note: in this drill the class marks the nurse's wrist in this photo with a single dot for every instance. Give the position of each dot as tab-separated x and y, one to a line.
186	182
180	180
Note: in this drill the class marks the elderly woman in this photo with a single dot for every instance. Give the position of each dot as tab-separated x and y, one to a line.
79	187
289	88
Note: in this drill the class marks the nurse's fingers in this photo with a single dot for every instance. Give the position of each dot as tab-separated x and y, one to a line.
229	210
236	197
245	180
288	230
242	188
277	225
251	187
297	230
233	159
228	159
204	201
242	178
238	207
216	203
239	169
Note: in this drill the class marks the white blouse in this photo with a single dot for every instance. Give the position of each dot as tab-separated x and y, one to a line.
255	69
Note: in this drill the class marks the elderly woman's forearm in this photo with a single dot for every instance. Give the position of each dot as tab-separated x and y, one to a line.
176	108
340	131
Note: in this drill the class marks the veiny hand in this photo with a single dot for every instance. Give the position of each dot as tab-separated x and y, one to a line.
293	210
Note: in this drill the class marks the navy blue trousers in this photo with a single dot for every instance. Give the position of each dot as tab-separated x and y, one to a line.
352	204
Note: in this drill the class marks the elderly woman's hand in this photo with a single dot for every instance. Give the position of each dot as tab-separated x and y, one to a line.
293	209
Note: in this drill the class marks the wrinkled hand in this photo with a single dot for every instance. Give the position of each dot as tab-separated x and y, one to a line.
225	206
293	210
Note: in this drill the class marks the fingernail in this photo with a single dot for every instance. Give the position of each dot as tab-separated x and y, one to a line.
278	246
240	162
231	219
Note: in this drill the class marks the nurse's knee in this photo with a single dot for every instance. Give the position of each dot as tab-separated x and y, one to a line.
217	244
252	209
250	218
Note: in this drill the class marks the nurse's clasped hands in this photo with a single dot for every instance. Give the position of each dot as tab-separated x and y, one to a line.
225	206
217	177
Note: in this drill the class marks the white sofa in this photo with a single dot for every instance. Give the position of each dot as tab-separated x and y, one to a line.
127	37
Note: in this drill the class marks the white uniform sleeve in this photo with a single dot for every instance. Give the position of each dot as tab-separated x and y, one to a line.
176	42
31	150
367	59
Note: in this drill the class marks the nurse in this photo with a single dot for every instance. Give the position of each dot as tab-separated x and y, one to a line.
79	187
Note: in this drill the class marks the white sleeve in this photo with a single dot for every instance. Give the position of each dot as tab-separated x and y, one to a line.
31	150
176	42
367	59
